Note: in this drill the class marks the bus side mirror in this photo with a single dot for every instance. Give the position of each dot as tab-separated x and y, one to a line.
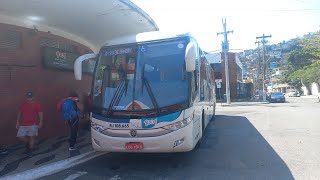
78	64
190	57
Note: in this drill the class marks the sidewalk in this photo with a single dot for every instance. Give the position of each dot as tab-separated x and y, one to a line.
49	151
310	96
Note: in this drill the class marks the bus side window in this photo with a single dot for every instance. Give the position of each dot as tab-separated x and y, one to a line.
210	82
194	85
195	80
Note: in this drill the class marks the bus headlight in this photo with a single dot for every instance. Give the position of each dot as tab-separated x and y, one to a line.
178	125
97	127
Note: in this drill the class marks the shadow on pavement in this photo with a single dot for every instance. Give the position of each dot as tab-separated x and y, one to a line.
232	148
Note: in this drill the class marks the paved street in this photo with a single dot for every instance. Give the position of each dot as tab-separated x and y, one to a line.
246	141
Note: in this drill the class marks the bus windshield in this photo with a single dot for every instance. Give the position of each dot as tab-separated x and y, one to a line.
141	77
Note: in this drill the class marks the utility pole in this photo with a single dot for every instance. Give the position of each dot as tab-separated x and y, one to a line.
225	49
258	67
263	41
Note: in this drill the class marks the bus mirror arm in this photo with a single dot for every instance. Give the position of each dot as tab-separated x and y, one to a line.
190	57
78	64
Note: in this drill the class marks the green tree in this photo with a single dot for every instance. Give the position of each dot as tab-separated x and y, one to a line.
305	76
299	58
304	61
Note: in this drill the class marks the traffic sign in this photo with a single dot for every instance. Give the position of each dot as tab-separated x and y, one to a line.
218	85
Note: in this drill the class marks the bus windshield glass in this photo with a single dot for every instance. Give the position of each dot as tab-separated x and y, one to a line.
140	77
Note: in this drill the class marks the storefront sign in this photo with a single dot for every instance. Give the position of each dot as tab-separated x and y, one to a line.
63	60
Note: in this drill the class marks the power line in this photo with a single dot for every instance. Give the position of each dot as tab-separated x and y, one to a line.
283	10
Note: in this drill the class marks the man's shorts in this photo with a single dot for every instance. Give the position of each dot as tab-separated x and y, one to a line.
27	131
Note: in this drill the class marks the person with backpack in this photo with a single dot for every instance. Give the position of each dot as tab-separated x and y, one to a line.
71	110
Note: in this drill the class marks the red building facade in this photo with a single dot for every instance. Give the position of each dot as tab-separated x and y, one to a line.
27	63
220	74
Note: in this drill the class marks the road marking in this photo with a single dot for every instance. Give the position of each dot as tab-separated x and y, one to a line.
76	175
55	167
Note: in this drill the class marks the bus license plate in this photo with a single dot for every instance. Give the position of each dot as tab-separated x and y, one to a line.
134	146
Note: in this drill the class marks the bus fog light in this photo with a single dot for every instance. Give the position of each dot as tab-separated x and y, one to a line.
97	127
178	142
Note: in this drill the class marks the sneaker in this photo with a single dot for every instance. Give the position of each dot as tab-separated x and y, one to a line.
3	151
72	148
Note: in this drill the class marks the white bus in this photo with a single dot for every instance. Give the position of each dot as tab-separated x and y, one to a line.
152	92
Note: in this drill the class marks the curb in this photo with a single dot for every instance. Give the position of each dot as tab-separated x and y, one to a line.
233	104
55	167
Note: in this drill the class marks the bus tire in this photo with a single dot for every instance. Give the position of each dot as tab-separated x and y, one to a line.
214	112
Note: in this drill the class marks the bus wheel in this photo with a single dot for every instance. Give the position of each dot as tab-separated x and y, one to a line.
214	112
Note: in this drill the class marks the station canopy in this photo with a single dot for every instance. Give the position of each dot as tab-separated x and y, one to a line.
89	22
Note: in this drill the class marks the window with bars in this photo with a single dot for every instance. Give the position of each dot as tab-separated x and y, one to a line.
10	39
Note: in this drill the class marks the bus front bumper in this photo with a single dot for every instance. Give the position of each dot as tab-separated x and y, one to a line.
181	140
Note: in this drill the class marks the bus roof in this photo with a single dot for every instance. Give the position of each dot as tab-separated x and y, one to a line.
144	37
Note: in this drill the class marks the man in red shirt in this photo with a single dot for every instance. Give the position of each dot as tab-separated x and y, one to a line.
29	120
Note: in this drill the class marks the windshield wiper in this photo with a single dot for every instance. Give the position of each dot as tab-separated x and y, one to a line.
149	90
117	96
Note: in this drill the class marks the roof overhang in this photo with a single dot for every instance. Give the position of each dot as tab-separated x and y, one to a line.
91	23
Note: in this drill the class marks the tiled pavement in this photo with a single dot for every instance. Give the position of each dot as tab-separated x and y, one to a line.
49	151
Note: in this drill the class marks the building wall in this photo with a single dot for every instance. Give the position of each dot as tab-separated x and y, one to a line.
21	70
232	75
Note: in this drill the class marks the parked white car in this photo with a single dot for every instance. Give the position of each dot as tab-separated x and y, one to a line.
293	94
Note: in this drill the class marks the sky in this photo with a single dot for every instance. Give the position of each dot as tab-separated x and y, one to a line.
282	19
